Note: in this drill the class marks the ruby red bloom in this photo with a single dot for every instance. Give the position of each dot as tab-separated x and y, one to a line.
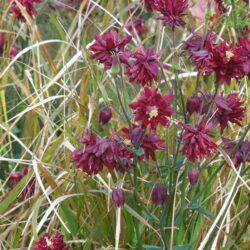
48	242
107	48
241	155
228	62
197	141
152	108
97	153
28	5
244	44
172	11
88	157
18	176
149	142
229	109
201	54
146	66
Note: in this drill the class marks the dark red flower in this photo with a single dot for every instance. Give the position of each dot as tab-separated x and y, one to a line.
228	62
105	115
244	44
172	11
197	141
201	54
241	155
159	195
108	47
152	108
28	5
193	176
118	197
13	52
194	104
51	243
88	157
97	153
18	176
228	109
145	68
149	142
138	26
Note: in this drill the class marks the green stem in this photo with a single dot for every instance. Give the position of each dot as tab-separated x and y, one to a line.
234	15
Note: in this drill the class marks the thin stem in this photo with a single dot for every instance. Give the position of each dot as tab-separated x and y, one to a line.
234	15
213	100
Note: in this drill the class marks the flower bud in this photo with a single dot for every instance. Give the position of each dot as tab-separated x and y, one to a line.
137	136
159	195
193	104
105	115
118	197
193	176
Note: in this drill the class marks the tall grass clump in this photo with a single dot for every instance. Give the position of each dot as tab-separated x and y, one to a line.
124	124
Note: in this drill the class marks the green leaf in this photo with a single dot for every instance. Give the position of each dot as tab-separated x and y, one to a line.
139	151
149	247
183	247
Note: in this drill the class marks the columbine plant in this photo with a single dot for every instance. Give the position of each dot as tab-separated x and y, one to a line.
152	105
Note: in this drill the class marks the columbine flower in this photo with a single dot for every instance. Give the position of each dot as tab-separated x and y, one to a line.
194	104
172	11
241	155
107	48
159	195
97	153
18	176
87	157
197	141
145	68
48	242
138	25
28	5
244	44
152	108
105	115
229	109
201	54
149	142
228	63
118	197
193	176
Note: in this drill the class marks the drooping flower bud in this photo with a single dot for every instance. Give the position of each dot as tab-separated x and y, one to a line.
159	195
193	104
193	176
137	136
105	115
118	197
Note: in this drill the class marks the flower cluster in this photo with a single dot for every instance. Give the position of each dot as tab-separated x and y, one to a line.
48	242
227	61
28	5
97	153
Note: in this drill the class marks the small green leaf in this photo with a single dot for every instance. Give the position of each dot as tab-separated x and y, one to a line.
139	151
